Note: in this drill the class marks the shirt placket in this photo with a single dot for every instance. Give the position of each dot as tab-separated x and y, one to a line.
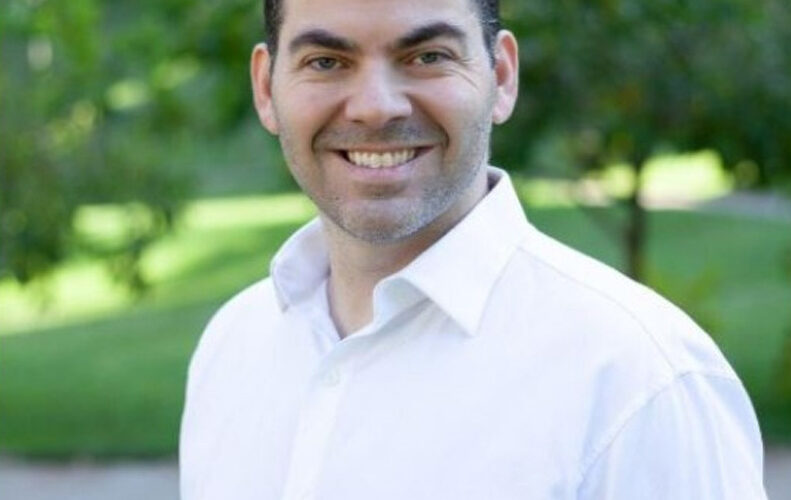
319	410
321	404
317	420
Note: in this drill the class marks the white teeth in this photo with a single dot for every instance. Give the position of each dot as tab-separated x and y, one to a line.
379	160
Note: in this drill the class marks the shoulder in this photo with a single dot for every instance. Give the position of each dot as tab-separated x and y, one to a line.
633	365
257	301
221	375
595	304
704	442
246	313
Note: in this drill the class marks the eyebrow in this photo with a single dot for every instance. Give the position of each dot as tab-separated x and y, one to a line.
323	38
428	32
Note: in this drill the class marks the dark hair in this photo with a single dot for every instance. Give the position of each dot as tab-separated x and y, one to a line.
488	13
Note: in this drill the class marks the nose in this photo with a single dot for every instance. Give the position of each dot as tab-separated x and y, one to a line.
377	97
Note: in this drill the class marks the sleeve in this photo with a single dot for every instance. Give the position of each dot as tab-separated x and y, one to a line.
696	438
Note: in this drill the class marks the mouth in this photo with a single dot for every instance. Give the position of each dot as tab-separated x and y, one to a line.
382	159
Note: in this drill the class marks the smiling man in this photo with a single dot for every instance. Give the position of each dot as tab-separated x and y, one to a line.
420	339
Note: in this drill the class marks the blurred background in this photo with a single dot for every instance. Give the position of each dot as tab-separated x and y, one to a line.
138	192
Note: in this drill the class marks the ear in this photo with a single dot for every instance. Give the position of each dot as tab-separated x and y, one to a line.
506	70
261	75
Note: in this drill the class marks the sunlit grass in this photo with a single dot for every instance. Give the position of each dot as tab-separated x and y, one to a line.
195	238
695	176
82	289
546	193
76	291
689	178
250	211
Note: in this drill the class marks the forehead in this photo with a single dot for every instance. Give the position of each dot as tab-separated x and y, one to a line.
372	22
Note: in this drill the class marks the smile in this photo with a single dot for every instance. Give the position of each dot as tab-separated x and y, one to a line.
384	159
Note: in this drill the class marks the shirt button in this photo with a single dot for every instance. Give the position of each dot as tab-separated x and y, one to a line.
332	378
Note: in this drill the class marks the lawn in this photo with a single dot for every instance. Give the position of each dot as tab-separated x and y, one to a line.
100	373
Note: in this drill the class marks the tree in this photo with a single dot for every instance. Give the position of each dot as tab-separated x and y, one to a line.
620	80
92	96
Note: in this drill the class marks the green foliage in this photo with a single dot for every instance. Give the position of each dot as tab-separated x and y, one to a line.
94	97
98	96
618	80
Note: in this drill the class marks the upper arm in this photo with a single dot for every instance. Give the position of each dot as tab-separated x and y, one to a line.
696	438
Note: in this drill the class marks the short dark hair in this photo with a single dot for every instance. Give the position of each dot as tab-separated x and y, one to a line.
488	14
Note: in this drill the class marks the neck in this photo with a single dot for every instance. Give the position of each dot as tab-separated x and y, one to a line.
356	266
355	269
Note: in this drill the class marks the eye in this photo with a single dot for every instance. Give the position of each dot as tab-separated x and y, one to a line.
323	63
429	58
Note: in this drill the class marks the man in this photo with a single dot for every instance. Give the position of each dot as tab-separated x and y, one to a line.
420	339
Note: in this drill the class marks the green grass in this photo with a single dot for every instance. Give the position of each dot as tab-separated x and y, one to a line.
102	388
100	374
107	379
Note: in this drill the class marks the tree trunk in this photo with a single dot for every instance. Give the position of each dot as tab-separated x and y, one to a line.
635	228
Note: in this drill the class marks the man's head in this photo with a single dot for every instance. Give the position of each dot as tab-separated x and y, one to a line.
488	12
384	110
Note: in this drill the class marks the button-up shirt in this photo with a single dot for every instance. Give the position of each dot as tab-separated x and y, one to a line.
499	364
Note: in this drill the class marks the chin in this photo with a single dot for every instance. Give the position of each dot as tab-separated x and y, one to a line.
379	232
380	226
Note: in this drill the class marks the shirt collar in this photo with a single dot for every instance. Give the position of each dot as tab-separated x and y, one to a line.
457	273
460	270
301	265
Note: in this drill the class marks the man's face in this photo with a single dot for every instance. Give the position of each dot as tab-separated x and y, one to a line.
384	110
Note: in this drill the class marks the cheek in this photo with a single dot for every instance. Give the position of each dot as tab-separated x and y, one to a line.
304	109
458	105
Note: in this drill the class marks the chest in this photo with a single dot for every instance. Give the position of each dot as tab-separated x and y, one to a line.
401	416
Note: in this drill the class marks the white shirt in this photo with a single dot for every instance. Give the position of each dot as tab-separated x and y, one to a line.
499	364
